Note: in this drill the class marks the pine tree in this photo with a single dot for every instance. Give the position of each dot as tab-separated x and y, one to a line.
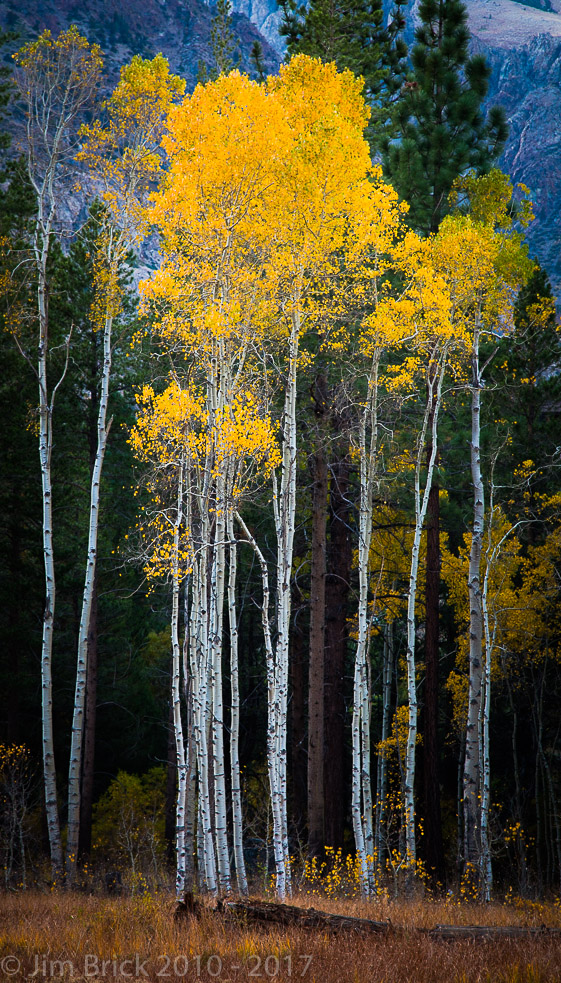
442	129
350	33
442	133
257	60
526	383
223	43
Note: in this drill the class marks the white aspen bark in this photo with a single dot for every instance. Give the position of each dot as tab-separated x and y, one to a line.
41	248
55	87
356	803
368	805
491	556
432	408
176	698
190	751
472	762
271	722
75	766
237	820
215	644
202	648
486	866
199	673
285	506
361	807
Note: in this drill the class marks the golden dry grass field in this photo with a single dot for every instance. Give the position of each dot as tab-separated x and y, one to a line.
61	936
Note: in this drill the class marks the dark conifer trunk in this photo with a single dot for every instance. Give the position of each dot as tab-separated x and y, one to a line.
316	663
13	619
339	560
298	742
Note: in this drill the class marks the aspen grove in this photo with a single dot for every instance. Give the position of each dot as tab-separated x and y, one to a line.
290	329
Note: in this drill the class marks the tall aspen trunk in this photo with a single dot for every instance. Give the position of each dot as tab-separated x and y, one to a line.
316	675
75	767
237	818
42	242
57	82
88	757
190	743
486	868
215	640
472	762
171	779
361	781
434	849
284	509
176	698
90	713
436	375
199	657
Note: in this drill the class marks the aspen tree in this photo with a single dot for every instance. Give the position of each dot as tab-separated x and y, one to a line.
441	132
308	251
181	438
265	205
395	322
211	304
435	343
124	160
57	80
484	261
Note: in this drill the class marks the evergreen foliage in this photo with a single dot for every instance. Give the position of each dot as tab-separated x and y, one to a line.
257	60
442	130
526	379
5	90
223	43
351	34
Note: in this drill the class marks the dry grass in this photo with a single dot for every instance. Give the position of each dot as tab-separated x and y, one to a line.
59	936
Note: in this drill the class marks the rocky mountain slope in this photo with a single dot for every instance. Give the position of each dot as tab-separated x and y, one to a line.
180	29
522	42
523	47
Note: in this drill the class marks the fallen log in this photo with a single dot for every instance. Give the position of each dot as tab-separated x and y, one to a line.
488	933
267	913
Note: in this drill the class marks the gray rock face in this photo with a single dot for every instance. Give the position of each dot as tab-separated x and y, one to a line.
526	77
267	17
522	43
